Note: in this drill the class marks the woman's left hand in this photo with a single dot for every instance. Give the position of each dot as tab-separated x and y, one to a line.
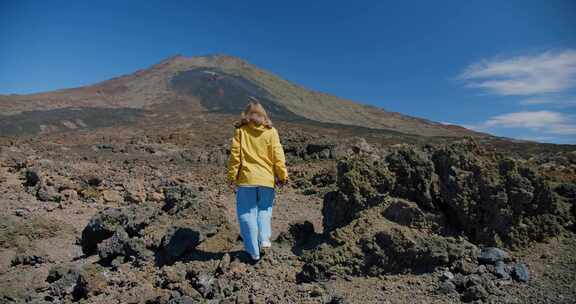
232	186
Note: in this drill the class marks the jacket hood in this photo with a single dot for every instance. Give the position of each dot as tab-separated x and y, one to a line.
255	127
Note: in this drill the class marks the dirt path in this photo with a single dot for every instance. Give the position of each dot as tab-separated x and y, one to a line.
289	206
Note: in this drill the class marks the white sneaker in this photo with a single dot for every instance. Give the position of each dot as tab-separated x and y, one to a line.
265	244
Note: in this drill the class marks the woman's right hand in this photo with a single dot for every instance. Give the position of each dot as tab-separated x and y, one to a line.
281	184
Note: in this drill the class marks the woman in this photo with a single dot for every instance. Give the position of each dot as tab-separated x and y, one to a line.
256	165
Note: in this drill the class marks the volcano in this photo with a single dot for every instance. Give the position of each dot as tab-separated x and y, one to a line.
196	86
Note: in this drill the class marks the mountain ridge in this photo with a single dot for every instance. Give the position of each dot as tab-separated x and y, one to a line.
152	88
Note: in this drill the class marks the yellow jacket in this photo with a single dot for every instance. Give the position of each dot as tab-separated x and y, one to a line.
256	156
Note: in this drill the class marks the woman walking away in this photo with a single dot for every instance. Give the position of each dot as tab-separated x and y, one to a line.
256	165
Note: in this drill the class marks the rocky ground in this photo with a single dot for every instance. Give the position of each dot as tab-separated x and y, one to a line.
114	217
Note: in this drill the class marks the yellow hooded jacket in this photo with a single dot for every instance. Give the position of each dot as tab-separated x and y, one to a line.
256	156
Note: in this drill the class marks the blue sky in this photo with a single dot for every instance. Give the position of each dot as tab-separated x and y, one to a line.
505	67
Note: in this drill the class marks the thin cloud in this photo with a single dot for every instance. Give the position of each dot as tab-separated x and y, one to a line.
558	102
540	138
537	119
544	122
548	72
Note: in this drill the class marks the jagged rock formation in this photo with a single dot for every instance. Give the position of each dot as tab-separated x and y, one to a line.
471	188
147	231
415	209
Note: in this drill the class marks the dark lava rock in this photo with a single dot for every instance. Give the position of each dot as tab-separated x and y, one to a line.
299	233
463	267
446	276
501	271
172	275
473	280
324	178
32	177
309	191
474	293
224	264
319	151
459	281
488	196
113	246
178	198
120	244
337	299
38	186
29	259
182	300
491	255
300	182
91	282
93	180
63	280
204	283
494	200
404	213
447	287
392	214
567	190
48	194
175	243
104	224
142	231
521	273
361	185
414	174
408	214
100	227
373	245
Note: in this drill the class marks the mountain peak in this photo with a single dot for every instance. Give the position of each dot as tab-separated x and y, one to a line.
222	83
215	58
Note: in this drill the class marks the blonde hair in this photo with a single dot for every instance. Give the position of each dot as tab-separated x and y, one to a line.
254	106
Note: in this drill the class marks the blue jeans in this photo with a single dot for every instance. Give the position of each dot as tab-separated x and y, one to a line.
254	210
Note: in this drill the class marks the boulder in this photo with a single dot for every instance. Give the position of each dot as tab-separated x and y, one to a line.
175	243
135	191
475	293
29	257
112	196
121	245
447	287
48	194
299	232
324	178
91	281
567	190
105	223
373	245
93	180
69	195
521	273
62	280
492	255
501	271
179	198
32	178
